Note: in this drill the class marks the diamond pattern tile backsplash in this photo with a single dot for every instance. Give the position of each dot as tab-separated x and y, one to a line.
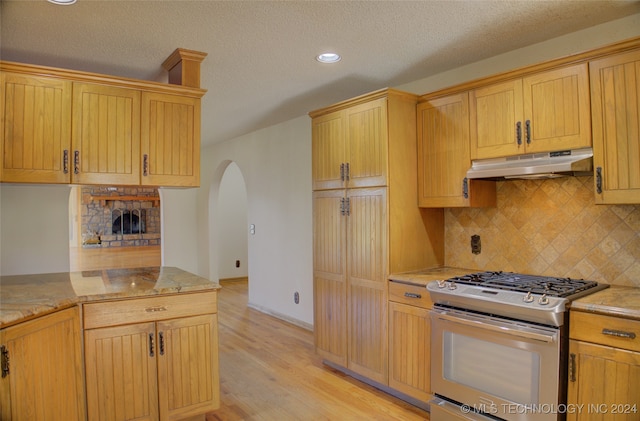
548	227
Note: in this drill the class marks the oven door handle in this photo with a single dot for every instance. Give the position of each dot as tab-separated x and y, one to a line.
498	327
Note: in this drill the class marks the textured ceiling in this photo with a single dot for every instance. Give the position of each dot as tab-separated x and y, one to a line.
260	69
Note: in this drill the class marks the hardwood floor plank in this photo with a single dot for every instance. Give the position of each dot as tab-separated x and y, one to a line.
269	371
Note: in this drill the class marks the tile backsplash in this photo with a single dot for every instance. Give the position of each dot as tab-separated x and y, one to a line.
548	227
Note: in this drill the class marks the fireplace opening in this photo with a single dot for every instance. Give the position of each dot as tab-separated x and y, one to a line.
128	222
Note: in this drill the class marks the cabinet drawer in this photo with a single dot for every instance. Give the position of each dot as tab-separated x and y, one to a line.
409	294
605	330
136	310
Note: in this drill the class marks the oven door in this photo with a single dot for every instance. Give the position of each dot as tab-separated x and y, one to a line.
500	367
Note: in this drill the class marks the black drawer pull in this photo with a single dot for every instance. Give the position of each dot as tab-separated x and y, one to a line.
619	333
412	295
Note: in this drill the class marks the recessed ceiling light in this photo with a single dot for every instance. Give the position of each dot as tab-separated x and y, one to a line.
62	2
328	58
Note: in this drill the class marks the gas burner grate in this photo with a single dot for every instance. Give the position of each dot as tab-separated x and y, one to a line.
555	287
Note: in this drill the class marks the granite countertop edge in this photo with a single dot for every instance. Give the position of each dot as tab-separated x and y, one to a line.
22	297
616	301
422	277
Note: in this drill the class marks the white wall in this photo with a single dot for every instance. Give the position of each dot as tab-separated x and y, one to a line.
232	234
35	229
276	165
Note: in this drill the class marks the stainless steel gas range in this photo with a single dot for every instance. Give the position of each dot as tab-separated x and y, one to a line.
499	345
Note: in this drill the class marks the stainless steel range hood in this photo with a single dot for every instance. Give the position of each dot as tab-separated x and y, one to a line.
575	162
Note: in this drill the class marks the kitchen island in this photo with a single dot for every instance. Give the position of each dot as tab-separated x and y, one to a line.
110	344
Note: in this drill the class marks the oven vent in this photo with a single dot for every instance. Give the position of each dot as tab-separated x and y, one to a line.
574	162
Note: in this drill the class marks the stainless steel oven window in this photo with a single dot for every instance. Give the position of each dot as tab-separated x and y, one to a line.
505	371
495	365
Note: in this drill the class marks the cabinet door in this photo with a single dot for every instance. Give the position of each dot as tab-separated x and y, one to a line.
188	375
496	111
170	140
44	381
121	373
615	91
556	110
444	156
409	350
367	282
367	144
328	151
605	381
35	135
329	275
106	135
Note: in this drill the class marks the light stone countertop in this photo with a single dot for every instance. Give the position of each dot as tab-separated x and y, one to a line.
423	276
616	301
23	297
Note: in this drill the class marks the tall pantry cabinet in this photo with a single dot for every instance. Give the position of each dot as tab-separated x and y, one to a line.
366	224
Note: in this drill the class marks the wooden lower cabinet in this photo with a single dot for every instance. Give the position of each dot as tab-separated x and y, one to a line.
42	369
604	368
605	383
409	340
163	369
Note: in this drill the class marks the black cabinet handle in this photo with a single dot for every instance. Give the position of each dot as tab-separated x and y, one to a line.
619	333
572	367
527	131
161	345
145	165
4	356
65	161
519	133
412	295
599	180
151	346
76	162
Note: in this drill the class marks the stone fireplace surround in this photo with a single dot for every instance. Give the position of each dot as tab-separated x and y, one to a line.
101	206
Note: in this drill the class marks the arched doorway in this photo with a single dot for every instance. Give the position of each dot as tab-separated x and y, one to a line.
231	221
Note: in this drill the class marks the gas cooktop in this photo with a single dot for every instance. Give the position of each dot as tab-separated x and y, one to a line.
509	281
533	298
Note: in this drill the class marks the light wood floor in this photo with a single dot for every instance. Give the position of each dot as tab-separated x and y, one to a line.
113	257
269	371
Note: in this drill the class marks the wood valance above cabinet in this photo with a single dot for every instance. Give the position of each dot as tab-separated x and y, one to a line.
70	127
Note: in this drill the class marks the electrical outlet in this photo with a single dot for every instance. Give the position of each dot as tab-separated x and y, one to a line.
296	297
476	245
237	263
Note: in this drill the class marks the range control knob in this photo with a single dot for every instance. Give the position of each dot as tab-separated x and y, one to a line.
452	285
544	300
528	298
442	283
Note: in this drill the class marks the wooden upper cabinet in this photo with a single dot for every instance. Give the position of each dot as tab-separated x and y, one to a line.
106	135
542	112
496	111
366	144
350	146
444	156
170	140
615	90
35	128
328	151
65	126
